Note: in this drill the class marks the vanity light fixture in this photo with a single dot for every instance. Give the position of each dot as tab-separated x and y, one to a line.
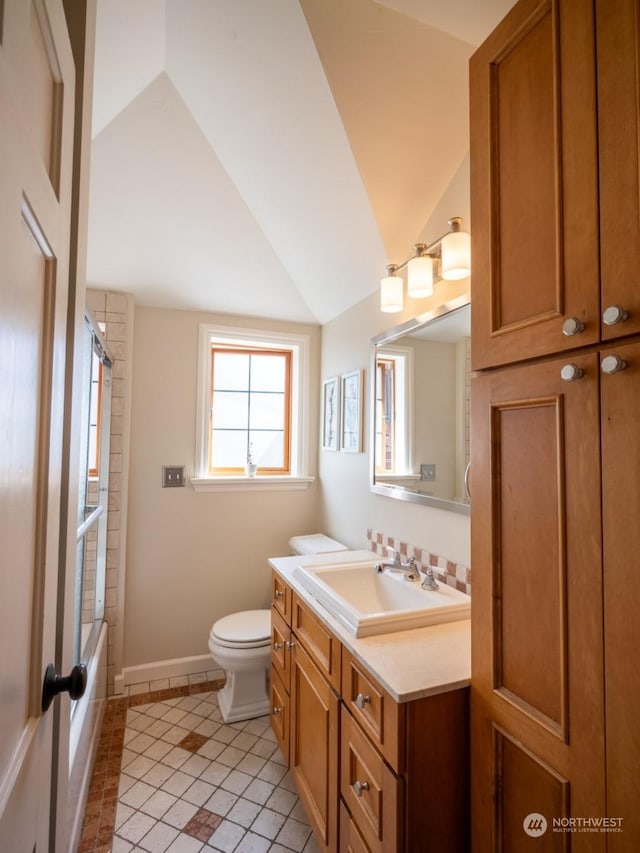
448	257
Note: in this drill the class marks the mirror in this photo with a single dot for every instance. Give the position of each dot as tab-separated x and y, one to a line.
420	408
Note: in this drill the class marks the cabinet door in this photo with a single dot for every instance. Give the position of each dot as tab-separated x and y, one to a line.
620	394
534	183
537	644
313	747
618	29
279	713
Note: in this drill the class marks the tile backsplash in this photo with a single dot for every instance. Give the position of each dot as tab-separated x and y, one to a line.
445	570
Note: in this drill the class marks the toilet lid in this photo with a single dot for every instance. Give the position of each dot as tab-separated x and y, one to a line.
248	626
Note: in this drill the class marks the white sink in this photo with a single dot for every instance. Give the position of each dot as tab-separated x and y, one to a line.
368	603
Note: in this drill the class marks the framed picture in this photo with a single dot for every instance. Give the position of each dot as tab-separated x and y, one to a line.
330	413
351	413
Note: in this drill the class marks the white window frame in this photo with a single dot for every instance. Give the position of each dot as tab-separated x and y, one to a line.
299	346
403	410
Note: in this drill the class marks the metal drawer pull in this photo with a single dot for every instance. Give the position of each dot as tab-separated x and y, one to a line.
359	787
277	646
612	364
361	700
278	593
572	326
571	372
614	314
276	711
290	644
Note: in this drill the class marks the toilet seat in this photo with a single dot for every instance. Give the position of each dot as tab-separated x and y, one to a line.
248	629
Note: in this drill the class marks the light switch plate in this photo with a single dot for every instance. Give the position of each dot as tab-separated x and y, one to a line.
172	476
428	472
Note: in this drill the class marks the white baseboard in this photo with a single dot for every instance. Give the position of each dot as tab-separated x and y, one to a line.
157	670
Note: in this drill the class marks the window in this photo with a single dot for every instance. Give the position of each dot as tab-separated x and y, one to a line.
393	418
385	415
252	407
250	410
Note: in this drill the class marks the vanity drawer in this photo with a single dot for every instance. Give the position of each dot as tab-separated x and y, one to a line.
375	710
370	789
279	712
318	641
281	597
350	839
281	648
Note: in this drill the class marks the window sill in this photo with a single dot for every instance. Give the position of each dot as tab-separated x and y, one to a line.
392	478
251	484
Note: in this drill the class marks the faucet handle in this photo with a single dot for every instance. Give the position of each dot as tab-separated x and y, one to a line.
393	554
429	581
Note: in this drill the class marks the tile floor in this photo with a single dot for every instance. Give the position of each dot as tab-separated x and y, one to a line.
171	777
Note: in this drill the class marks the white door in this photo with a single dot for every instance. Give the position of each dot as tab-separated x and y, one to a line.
36	128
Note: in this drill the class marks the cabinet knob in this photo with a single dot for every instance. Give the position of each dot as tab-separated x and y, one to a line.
277	646
289	644
276	711
612	364
361	700
359	787
571	372
614	314
278	593
572	326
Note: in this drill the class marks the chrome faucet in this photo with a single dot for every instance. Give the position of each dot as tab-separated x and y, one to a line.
429	581
409	569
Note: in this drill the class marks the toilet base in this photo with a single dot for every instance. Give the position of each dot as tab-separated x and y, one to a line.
243	697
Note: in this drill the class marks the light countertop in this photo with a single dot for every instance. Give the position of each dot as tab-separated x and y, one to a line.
409	664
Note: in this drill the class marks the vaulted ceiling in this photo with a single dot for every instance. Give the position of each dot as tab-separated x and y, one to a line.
266	157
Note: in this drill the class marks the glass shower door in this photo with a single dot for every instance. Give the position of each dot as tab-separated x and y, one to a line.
93	493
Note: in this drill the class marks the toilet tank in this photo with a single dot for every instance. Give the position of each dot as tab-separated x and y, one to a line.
315	543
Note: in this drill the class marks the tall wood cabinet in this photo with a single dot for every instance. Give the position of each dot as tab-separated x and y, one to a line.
555	422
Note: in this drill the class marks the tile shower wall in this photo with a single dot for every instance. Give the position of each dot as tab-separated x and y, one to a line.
114	313
446	571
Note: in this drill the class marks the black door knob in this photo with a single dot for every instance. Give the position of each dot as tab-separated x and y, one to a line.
74	684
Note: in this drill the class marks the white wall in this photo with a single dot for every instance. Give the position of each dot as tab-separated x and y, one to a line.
348	506
194	557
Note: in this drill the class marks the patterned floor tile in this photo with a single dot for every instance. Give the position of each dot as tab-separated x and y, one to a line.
180	780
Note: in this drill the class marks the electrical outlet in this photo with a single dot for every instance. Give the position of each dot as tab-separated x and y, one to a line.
428	472
172	476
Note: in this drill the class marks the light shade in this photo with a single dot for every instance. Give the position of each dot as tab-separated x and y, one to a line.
420	277
391	294
456	255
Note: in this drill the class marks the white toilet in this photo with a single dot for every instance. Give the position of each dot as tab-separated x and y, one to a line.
241	645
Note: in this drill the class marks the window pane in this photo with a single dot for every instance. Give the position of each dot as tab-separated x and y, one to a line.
231	371
267	411
228	448
230	409
268	449
267	372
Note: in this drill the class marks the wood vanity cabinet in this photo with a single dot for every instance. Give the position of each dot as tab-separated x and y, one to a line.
305	682
373	774
555	451
404	773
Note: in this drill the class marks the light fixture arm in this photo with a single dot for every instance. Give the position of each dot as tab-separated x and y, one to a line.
433	249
